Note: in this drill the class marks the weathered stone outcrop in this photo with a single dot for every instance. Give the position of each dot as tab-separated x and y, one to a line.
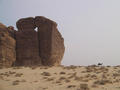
51	43
11	31
2	26
7	47
27	46
26	24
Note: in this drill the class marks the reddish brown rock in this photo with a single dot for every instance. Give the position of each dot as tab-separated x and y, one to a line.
2	26
25	24
11	28
7	47
51	43
11	31
27	46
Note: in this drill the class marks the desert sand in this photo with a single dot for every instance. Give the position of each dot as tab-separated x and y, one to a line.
60	78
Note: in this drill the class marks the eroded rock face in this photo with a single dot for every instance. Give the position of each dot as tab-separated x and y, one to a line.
27	45
7	48
25	24
51	43
11	31
58	49
2	26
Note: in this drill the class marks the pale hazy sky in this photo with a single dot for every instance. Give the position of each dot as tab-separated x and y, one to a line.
91	28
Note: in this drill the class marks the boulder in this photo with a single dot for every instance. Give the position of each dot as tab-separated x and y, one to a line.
2	26
7	48
51	43
27	46
11	31
25	24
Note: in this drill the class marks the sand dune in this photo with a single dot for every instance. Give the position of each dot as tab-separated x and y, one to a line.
60	78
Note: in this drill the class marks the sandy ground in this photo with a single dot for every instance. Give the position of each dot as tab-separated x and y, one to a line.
60	78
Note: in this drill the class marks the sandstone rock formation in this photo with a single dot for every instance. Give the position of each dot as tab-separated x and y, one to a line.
2	26
51	43
7	47
27	47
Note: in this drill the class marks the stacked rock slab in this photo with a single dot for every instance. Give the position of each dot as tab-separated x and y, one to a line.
27	46
7	47
51	43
